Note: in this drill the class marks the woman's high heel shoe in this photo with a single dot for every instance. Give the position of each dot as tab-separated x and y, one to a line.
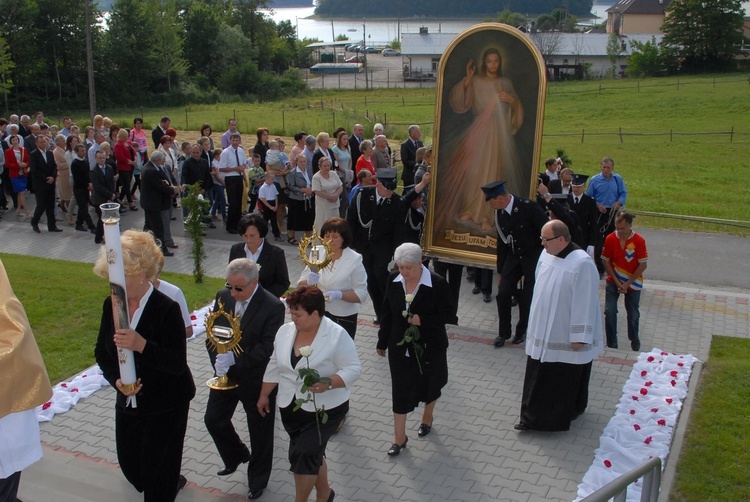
395	449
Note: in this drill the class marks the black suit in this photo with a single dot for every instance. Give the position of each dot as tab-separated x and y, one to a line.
156	135
103	190
556	186
150	437
354	145
409	159
316	157
588	216
273	276
518	259
377	243
156	196
42	166
263	317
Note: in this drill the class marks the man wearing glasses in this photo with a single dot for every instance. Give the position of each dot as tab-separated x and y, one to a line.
261	315
565	334
518	223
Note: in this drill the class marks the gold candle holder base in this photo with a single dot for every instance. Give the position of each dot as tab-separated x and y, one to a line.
221	383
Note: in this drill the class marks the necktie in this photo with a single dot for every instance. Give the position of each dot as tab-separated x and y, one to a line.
575	199
237	156
240	308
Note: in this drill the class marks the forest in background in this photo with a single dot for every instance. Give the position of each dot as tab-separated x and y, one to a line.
446	8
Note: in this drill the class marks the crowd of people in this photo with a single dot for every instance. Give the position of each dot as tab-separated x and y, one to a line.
344	187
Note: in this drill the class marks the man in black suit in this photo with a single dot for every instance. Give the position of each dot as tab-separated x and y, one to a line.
376	216
274	276
43	171
562	184
30	140
355	140
409	154
261	315
103	190
160	130
587	212
518	223
156	196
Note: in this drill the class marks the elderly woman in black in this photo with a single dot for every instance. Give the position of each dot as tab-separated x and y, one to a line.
419	366
150	436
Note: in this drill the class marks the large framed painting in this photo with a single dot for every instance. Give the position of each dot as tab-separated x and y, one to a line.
488	127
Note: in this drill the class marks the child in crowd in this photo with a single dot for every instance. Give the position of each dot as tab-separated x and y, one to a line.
268	195
253	180
278	163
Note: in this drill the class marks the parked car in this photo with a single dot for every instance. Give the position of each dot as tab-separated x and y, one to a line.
354	59
371	50
391	52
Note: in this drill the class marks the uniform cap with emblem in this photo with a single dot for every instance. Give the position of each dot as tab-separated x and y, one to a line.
492	190
387	177
579	180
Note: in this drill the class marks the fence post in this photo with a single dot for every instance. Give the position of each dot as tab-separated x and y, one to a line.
283	122
388	78
403	103
620	134
187	127
639	86
323	74
600	87
322	106
355	80
365	100
333	112
678	83
670	135
583	131
234	113
731	134
385	120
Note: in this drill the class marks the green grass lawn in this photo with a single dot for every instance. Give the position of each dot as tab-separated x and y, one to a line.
715	462
63	301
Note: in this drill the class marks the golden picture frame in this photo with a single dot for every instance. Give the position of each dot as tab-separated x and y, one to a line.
489	113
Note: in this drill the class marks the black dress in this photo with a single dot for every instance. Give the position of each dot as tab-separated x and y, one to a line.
436	307
150	437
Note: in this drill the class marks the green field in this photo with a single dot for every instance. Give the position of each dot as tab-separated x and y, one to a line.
682	173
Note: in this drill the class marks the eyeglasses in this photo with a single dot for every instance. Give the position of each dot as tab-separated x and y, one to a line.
236	288
545	240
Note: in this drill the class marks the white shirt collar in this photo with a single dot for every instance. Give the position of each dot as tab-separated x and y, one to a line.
425	279
254	257
509	208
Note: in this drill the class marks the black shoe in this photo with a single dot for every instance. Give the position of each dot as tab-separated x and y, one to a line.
498	342
395	449
92	230
423	430
331	496
80	228
181	482
226	471
476	290
635	345
519	339
470	276
521	426
487	298
35	228
55	229
255	494
612	346
211	225
123	209
167	253
98	240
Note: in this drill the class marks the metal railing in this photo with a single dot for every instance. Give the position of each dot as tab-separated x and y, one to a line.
618	488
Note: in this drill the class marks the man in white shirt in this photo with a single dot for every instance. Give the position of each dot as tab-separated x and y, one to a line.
232	165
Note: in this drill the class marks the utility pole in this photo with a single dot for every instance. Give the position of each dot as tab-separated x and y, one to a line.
364	57
90	60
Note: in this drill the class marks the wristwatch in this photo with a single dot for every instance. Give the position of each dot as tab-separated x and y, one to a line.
547	195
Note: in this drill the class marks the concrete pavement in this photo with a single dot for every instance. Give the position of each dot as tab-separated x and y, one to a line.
472	454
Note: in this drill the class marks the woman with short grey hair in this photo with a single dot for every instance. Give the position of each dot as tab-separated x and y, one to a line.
419	304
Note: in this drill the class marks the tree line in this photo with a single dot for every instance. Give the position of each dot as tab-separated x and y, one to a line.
145	53
356	9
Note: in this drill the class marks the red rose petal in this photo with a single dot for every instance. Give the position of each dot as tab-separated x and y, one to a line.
649	384
644	391
680	364
635	398
636	427
46	405
607	464
648	440
74	389
632	412
64	385
193	317
644	373
662	422
669	400
673	373
655	410
673	383
84	376
665	353
650	359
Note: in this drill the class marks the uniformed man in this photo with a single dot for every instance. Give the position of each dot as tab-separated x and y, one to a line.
415	210
587	212
519	223
376	215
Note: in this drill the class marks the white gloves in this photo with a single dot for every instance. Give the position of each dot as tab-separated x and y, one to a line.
333	295
590	251
313	278
223	363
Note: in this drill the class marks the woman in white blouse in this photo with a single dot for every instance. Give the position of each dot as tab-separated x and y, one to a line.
344	281
327	188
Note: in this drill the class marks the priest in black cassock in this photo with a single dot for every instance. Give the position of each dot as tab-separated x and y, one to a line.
564	334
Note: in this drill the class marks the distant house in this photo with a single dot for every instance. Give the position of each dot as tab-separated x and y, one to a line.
636	16
564	53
